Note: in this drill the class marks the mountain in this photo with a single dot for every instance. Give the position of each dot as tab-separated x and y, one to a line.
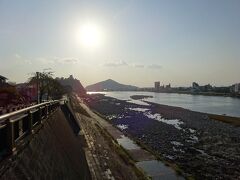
110	85
72	84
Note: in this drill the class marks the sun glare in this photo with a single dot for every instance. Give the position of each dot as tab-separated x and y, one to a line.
90	35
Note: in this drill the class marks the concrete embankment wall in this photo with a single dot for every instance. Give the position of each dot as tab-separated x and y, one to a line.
54	152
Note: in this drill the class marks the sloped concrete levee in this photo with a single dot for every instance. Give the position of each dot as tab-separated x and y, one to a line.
54	152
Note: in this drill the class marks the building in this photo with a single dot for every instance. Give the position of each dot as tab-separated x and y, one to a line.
8	93
27	91
3	80
168	86
157	86
207	88
236	88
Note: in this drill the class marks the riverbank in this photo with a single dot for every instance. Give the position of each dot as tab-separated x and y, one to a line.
200	146
204	93
207	104
135	155
138	97
187	93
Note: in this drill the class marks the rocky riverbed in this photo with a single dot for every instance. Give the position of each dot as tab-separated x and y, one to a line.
201	147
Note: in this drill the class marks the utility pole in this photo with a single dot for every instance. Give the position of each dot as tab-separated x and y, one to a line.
38	98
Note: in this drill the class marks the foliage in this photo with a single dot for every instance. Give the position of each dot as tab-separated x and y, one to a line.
47	85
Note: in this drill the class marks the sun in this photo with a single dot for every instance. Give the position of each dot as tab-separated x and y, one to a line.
90	35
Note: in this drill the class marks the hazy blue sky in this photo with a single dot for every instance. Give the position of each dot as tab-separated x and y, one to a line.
173	41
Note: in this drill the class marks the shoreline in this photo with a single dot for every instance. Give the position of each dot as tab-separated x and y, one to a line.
183	92
218	117
230	113
203	94
198	144
136	155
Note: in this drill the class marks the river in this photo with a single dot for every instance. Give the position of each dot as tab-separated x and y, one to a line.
207	104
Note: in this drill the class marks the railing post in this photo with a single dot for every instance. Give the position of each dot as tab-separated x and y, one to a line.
10	137
53	107
3	136
16	129
46	110
30	122
49	108
40	115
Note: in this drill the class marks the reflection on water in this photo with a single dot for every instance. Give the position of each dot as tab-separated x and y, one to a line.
127	143
157	170
122	126
139	109
209	104
153	168
139	102
174	122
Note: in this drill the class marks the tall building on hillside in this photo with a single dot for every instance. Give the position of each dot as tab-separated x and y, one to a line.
157	85
195	87
72	84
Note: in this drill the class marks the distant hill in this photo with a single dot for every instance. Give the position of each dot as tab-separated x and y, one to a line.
72	84
110	85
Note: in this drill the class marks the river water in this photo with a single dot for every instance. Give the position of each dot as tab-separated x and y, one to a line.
157	170
208	104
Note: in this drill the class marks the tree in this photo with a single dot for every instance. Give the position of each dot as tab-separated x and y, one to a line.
46	85
55	89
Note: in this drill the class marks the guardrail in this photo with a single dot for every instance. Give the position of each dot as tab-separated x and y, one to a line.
17	125
12	108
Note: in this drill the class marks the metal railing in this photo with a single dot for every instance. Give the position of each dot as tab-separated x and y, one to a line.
17	125
12	108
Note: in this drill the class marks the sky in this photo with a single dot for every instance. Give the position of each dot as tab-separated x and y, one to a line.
140	41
